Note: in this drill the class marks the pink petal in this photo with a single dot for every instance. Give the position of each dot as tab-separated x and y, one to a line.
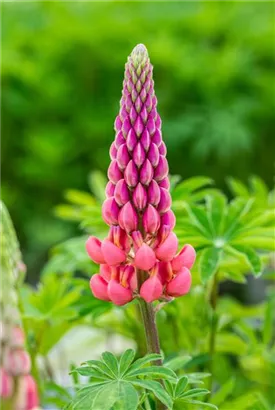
181	284
186	257
165	201
110	189
110	211
153	193
118	294
114	173
128	219
105	272
145	257
131	140
146	172
145	139
121	192
122	156
6	384
151	289
151	219
112	254
140	197
93	247
168	218
166	251
98	287
131	174
161	170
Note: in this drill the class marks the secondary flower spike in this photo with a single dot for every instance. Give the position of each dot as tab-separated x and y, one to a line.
138	202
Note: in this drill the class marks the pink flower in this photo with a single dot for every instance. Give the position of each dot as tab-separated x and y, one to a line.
138	203
6	384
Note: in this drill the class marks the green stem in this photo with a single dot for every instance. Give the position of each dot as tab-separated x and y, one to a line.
213	328
148	315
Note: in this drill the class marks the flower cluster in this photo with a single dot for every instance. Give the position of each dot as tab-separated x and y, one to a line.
17	387
139	256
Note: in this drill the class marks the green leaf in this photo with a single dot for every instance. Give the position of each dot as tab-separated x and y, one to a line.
199	219
181	386
237	187
202	404
84	397
154	372
157	389
177	362
209	263
111	362
106	397
128	397
251	257
268	328
101	367
216	206
125	361
194	392
88	371
144	360
221	395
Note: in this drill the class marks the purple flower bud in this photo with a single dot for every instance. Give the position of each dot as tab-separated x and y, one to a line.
140	197
151	220
144	114
128	219
122	156
110	211
165	183
143	95
131	174
145	139
151	125
138	127
138	86
169	219
157	137
118	124
146	172
119	140
128	102
162	149
158	121
113	151
153	155
134	95
123	112
114	173
165	201
148	103
138	104
153	193
126	126
131	140
133	115
121	193
110	189
161	170
139	155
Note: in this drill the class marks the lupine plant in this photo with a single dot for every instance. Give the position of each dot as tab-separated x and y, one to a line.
18	390
139	257
136	219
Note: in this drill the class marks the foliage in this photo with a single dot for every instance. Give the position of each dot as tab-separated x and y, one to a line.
116	384
61	80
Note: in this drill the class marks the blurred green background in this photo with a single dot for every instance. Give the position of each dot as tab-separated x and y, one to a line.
62	71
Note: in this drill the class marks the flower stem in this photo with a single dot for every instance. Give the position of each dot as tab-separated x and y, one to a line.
149	321
213	328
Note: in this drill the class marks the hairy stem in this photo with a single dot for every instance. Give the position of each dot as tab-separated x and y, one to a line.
213	328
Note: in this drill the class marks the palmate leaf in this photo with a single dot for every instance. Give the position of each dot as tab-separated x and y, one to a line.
118	381
201	404
155	372
251	257
181	386
216	210
209	262
157	389
192	189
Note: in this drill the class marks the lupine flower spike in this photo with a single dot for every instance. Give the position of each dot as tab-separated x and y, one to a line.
17	387
138	203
